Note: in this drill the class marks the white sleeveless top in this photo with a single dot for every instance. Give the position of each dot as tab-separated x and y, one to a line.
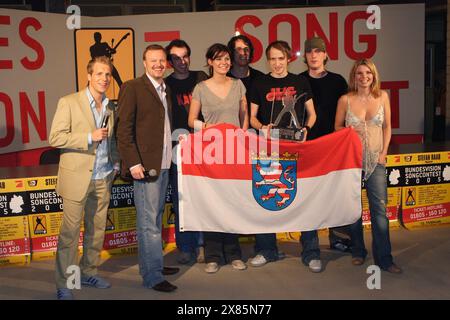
370	133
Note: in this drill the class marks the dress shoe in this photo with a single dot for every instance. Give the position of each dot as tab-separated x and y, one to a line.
167	271
164	286
357	261
394	269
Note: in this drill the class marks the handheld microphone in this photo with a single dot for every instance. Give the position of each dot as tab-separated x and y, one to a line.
105	119
105	122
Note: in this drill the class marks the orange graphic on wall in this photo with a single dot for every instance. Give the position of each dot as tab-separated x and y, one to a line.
117	44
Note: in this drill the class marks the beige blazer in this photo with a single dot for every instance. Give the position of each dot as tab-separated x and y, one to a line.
72	123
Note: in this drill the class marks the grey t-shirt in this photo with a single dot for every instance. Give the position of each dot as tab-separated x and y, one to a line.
218	110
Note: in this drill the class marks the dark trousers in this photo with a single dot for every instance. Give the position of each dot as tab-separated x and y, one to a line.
266	245
310	244
220	245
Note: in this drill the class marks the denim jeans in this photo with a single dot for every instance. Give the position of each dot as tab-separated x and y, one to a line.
266	245
376	187
310	244
187	241
149	199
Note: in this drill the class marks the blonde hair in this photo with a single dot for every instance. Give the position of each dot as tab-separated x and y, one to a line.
100	59
375	89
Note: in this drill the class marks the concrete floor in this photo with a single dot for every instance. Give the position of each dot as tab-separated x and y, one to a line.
423	254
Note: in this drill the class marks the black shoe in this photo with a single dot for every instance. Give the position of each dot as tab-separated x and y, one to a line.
341	245
167	271
164	286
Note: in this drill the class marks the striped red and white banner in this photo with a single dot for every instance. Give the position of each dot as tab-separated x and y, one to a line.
235	181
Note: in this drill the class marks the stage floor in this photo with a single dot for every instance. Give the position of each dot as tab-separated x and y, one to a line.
424	254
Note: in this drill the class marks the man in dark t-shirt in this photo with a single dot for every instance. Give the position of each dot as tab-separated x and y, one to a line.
327	88
181	82
242	54
266	103
267	94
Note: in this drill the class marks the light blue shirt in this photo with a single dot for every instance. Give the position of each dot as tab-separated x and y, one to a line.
102	165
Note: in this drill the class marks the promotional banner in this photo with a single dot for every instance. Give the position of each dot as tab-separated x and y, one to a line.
394	197
120	234
247	187
42	57
14	234
425	182
45	217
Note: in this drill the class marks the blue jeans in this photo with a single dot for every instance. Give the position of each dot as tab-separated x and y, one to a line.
310	244
266	245
187	241
149	199
381	245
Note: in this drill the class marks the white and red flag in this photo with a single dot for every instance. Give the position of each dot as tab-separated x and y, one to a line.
235	181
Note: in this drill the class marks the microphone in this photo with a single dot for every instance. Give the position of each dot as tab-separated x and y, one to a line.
104	122
105	119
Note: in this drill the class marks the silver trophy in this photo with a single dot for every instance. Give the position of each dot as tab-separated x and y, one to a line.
294	131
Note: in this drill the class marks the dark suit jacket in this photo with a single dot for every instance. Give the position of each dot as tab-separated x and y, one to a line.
140	125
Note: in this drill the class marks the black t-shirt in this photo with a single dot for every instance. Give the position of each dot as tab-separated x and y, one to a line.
267	93
248	82
327	91
182	96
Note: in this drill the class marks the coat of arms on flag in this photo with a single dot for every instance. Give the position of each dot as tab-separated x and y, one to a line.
274	180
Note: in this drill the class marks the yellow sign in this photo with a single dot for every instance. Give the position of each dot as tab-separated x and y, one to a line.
115	43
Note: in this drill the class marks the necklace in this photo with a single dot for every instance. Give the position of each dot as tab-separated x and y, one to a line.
364	98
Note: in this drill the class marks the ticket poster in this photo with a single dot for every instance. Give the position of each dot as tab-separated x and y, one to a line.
45	217
14	233
392	207
424	179
120	233
168	222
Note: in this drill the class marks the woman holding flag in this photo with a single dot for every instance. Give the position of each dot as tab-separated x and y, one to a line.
220	99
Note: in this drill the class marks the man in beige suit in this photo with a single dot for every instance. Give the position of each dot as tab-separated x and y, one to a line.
83	128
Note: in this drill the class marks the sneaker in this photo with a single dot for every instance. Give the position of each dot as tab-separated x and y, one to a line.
315	265
238	264
212	267
341	245
201	255
258	261
95	281
184	257
64	294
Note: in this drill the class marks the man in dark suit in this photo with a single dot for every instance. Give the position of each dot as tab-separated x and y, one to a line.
144	143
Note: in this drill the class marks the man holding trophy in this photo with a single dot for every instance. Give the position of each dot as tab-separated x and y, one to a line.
282	107
280	99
